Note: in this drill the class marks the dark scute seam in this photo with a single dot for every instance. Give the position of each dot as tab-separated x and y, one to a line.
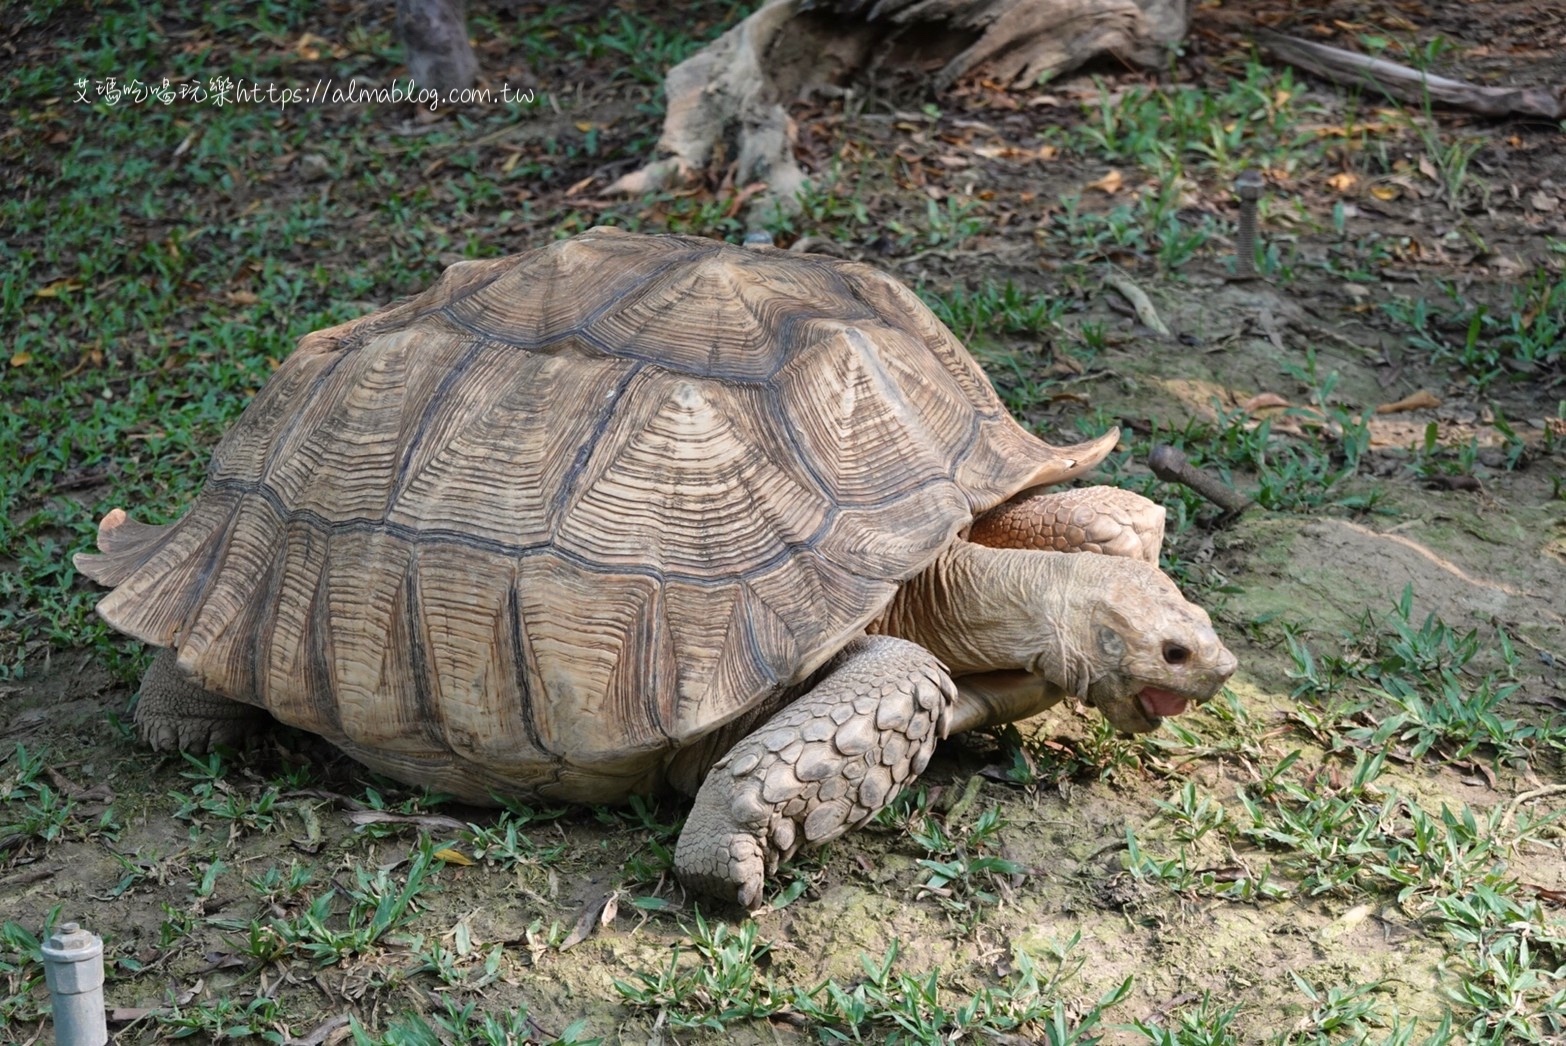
429	716
309	393
566	488
436	401
261	643
319	674
216	550
522	669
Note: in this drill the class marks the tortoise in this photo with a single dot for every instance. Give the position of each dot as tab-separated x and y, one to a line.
633	513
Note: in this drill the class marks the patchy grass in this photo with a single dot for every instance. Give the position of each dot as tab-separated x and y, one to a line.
1523	339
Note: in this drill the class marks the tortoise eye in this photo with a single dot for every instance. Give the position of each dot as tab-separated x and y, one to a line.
1175	654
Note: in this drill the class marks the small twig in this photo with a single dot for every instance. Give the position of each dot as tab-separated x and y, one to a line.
28	877
1439	482
1103	848
1139	301
1171	466
1524	797
432	822
321	1032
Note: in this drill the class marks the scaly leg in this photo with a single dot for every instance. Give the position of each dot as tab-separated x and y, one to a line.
823	765
174	714
1084	519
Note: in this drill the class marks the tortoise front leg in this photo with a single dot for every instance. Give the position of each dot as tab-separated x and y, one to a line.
174	714
1084	519
826	763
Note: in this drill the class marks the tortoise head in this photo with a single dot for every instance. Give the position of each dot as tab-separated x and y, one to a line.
1149	653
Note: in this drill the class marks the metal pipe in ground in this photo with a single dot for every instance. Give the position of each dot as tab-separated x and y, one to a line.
1248	187
73	968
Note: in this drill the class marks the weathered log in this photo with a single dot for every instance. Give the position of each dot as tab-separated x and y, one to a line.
736	89
1413	85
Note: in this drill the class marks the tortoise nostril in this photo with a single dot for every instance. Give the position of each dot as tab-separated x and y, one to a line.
1175	654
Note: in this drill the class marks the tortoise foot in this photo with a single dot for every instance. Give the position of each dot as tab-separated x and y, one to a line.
825	764
173	714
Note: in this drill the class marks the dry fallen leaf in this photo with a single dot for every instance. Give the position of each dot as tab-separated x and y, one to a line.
1544	893
452	856
1343	181
126	1014
1263	401
57	288
21	359
1111	183
309	47
593	915
1421	400
1385	192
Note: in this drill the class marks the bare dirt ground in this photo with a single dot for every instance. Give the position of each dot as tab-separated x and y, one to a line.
1464	514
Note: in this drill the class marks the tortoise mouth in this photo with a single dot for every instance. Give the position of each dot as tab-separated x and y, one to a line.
1159	704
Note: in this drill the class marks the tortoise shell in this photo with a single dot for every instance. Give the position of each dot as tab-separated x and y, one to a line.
571	510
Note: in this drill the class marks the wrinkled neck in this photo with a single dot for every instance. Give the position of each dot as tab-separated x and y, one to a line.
983	609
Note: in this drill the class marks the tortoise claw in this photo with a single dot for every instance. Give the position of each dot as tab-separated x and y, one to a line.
173	714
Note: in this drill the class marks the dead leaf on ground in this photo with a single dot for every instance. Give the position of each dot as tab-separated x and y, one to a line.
127	1014
742	197
1110	184
1453	483
323	1032
595	914
1263	401
58	287
1421	400
72	790
453	856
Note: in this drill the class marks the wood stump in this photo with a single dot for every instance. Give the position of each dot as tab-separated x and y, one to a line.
435	38
733	93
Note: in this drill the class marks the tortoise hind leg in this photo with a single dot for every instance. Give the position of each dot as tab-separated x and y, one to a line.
826	763
174	714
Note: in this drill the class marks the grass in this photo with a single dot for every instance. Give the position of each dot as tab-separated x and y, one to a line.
1423	689
719	982
1256	121
1520	341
